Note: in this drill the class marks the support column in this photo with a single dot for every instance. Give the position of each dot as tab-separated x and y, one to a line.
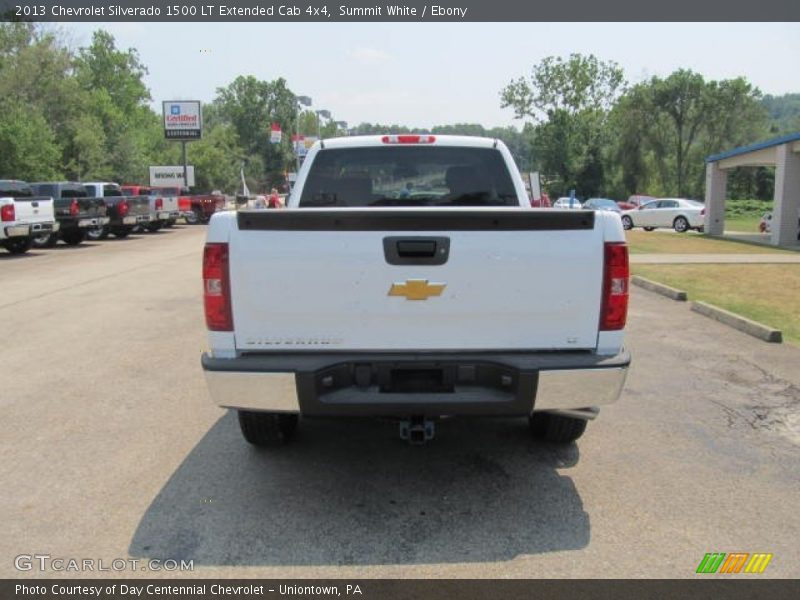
716	188
786	206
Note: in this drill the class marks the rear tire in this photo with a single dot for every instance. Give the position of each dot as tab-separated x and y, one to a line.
556	428
73	238
46	240
97	233
680	224
17	245
193	217
153	227
169	224
121	232
627	222
267	429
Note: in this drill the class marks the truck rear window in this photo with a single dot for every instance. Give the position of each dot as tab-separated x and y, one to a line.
166	191
408	176
15	190
77	191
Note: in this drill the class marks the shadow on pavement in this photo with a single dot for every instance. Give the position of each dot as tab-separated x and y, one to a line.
4	255
351	493
70	248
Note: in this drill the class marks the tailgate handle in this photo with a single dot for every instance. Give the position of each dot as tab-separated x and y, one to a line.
416	250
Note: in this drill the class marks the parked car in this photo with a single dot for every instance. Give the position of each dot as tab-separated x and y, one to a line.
567	203
75	210
601	204
23	216
678	213
124	212
635	201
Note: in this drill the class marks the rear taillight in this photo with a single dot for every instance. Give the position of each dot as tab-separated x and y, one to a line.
217	288
408	139
614	309
122	207
159	203
7	213
73	208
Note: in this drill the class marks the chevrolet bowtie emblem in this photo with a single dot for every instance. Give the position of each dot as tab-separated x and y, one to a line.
417	289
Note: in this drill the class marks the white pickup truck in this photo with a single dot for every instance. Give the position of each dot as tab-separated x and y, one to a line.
409	278
23	216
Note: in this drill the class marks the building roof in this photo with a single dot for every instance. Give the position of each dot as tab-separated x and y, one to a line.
784	139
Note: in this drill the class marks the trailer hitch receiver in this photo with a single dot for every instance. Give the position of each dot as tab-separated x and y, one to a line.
417	430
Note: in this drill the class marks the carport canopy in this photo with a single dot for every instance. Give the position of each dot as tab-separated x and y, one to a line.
783	153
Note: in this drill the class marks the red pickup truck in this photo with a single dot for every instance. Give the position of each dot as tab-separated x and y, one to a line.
634	201
198	208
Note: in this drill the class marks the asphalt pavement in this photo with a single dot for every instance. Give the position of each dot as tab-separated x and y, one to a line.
112	449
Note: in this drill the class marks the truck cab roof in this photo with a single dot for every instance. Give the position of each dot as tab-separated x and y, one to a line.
409	139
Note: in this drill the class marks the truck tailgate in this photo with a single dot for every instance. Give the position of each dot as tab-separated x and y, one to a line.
345	279
91	207
38	209
138	205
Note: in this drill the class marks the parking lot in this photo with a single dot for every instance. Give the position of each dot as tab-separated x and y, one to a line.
112	449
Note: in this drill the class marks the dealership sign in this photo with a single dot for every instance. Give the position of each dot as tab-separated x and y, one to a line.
171	176
302	144
275	134
182	120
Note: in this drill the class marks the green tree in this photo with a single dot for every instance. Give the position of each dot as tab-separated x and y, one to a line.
217	159
574	85
115	95
102	66
377	129
28	149
784	112
568	100
250	106
36	77
679	120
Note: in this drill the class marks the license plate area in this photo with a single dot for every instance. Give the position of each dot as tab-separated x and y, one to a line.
416	379
400	379
390	388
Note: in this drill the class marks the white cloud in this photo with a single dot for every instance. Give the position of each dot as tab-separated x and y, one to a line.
368	55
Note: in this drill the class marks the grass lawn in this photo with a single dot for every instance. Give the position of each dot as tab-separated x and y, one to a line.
655	242
743	223
765	293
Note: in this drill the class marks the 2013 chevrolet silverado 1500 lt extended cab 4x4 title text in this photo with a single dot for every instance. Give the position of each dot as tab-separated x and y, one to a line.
409	278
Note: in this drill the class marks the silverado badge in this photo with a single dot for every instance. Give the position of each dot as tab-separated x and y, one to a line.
416	289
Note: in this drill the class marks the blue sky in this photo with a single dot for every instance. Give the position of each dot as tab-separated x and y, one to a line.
427	74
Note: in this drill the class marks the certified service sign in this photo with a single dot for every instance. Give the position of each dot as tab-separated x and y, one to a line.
182	120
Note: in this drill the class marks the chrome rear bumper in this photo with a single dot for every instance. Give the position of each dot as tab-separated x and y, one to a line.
12	231
240	384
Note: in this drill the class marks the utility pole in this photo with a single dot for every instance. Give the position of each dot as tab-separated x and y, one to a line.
301	101
185	168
